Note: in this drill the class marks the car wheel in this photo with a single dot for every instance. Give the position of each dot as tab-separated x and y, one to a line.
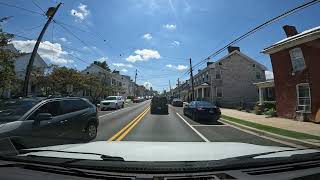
91	131
194	117
116	107
184	113
122	105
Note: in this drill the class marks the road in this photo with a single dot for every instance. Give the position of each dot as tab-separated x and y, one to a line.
135	123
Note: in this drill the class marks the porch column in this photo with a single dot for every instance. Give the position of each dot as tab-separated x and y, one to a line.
202	93
260	96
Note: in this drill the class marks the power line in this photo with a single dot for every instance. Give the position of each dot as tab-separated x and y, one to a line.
21	8
38	7
252	31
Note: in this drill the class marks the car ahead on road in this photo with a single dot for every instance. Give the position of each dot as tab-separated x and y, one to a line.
112	102
159	105
32	122
177	102
202	110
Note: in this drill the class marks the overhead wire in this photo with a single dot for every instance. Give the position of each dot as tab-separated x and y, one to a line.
21	8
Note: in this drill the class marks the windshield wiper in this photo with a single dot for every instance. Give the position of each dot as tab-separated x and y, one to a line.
102	156
274	152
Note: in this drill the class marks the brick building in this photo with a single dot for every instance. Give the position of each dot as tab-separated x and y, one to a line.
296	67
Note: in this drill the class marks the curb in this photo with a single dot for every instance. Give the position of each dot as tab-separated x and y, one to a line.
272	135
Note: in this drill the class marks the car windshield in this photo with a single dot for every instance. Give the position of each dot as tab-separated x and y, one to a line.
12	110
111	98
159	80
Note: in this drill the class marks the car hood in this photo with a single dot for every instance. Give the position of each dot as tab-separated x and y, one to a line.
112	101
161	151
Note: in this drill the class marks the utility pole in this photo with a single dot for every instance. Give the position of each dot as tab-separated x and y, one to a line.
178	88
135	83
170	88
50	13
191	77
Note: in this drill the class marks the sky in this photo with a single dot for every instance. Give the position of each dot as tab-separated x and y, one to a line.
156	37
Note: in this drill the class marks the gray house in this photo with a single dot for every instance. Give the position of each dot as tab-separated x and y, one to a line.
229	81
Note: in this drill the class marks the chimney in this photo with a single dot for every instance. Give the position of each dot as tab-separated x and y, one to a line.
233	48
208	63
116	72
290	30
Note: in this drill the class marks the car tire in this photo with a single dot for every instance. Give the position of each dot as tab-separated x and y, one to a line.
194	117
116	107
122	105
184	113
91	131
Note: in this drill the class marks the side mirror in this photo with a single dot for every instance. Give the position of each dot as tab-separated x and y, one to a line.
43	117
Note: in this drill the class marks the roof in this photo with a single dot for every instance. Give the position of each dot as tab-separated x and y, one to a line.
244	56
264	84
301	38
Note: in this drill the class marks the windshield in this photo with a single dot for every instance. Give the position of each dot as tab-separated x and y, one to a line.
160	80
12	110
111	98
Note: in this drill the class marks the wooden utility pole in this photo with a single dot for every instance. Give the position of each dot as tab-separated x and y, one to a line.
191	77
135	83
178	88
50	14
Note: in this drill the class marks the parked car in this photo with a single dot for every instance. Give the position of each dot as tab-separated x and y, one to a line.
202	110
32	122
112	102
159	105
177	102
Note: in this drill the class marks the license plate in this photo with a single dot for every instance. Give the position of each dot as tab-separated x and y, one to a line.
159	108
211	112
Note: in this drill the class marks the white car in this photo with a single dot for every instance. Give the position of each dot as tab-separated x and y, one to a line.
112	102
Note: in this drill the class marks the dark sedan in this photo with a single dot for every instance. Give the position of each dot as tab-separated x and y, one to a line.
32	122
202	110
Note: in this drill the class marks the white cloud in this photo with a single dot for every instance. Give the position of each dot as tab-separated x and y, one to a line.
147	36
176	43
179	67
63	39
47	50
143	55
269	74
81	13
124	70
170	26
123	65
147	85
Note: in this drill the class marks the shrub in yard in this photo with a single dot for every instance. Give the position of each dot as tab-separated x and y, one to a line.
258	109
239	108
269	105
248	110
271	113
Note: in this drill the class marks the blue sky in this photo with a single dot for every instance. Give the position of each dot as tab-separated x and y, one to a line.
157	37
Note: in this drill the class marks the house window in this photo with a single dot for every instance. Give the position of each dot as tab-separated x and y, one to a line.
87	72
254	65
297	59
219	92
258	75
303	97
220	63
218	74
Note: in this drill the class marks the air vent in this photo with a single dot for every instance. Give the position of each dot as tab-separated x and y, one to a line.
279	169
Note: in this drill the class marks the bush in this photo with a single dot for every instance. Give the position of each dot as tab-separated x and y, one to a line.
271	113
239	108
258	109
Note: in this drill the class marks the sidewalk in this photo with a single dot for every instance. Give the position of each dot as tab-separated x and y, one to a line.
307	131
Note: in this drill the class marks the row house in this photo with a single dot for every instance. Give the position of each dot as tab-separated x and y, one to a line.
229	81
295	62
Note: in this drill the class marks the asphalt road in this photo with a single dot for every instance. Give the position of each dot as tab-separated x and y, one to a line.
135	123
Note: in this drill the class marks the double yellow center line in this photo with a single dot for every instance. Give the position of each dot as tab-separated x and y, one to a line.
125	130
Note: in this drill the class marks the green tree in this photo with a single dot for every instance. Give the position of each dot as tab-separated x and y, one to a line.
7	74
103	65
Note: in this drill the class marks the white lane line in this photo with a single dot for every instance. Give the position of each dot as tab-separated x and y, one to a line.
209	125
199	134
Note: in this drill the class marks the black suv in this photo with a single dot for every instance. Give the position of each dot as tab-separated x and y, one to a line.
159	105
34	122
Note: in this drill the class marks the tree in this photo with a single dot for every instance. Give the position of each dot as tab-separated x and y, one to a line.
7	74
103	65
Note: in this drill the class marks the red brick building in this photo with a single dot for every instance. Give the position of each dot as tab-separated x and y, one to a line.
296	67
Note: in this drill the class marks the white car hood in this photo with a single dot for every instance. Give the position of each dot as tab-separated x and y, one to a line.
164	151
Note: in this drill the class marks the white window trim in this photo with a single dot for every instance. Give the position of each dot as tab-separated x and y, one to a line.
217	92
297	94
291	55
